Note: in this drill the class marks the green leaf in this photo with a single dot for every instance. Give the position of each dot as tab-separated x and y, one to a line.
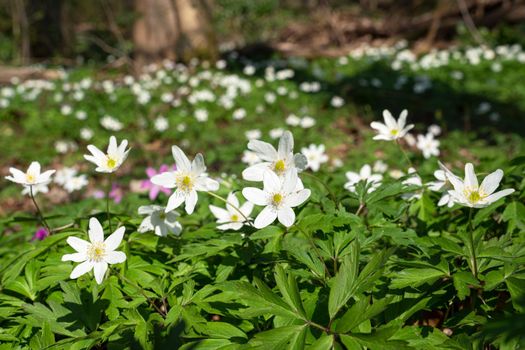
279	338
412	277
462	280
288	288
224	330
514	214
344	283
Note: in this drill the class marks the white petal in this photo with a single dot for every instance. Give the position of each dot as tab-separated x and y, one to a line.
297	198
113	241
191	201
246	208
498	195
99	270
285	144
265	217
115	257
148	209
470	176
34	168
76	257
81	269
78	244
382	128
96	233
232	199
389	120
98	154
402	119
264	150
219	213
290	181
255	195
175	200
255	172
197	166
211	185
145	225
271	182
286	216
183	163
166	179
491	182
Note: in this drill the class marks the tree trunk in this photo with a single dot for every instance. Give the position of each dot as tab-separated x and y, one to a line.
172	29
20	25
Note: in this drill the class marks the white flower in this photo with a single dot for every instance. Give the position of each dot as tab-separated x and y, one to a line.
64	175
337	102
250	157
81	115
293	120
230	218
428	145
201	115
380	166
86	133
279	196
161	123
189	178
410	139
434	129
253	134
97	253
276	133
279	161
470	194
392	129
239	114
110	123
76	183
315	156
365	174
159	221
40	188
31	177
110	162
412	180
307	122
441	184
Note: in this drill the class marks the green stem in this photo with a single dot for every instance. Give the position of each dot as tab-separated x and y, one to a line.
473	260
334	198
405	154
40	215
228	203
108	190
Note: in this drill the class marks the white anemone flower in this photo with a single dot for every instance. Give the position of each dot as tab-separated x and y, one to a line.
112	160
365	175
392	129
428	145
469	193
97	253
441	184
31	177
315	155
279	196
159	221
230	218
280	161
189	178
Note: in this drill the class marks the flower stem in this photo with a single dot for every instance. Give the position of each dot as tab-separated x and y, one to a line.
473	260
228	203
108	190
40	215
334	198
405	154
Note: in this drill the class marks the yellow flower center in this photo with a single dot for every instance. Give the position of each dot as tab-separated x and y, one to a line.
394	132
474	196
277	199
96	251
30	178
234	218
111	163
185	182
280	166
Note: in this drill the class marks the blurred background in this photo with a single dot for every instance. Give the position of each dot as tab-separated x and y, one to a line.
130	33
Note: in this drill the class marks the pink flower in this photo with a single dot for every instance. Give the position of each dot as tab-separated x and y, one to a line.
155	189
116	193
40	234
